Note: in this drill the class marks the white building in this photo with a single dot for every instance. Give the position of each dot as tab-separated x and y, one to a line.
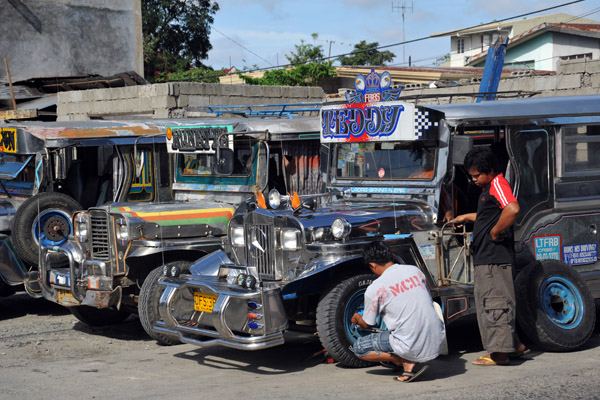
534	43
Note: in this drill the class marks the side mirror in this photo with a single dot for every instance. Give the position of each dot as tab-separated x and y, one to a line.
460	147
224	165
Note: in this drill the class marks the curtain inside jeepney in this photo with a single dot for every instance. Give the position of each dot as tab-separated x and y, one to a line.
302	166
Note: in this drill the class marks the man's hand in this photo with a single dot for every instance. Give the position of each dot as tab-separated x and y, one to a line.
497	236
357	319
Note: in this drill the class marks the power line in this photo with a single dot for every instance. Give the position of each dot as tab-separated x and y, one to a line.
243	47
390	45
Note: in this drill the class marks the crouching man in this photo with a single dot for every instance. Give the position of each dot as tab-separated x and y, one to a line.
400	296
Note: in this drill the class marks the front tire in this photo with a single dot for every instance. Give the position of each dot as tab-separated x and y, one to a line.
555	308
148	303
98	316
334	314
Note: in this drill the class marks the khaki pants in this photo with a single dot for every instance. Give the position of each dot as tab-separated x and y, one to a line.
495	304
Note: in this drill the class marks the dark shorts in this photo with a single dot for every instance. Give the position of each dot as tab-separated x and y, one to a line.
375	342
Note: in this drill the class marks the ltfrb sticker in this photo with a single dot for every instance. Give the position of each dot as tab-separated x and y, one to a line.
546	247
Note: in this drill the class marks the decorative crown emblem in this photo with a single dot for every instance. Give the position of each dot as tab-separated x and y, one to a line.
373	88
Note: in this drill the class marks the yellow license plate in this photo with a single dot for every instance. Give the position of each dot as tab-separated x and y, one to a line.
204	301
65	295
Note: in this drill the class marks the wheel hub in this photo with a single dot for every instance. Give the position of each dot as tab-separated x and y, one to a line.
561	302
55	228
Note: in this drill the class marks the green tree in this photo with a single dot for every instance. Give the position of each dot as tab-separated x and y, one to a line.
367	54
176	34
311	74
443	59
306	52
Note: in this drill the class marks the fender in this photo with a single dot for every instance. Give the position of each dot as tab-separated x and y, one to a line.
12	270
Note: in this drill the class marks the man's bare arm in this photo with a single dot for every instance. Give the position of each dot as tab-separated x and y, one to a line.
507	218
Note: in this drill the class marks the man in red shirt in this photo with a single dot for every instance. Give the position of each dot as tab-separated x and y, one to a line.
493	255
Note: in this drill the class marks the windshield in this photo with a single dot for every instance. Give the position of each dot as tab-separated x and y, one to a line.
202	164
385	160
12	165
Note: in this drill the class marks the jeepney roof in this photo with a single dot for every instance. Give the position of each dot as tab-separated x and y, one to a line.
521	110
59	134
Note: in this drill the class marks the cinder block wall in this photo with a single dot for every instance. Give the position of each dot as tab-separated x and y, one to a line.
576	77
173	100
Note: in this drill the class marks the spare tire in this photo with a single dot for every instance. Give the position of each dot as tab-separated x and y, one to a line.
43	220
555	308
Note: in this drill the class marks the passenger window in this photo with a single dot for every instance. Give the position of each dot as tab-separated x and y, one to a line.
142	186
531	153
580	150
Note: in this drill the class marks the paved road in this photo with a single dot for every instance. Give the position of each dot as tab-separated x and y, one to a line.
45	353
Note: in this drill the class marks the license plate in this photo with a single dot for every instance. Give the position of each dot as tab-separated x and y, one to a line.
204	301
65	295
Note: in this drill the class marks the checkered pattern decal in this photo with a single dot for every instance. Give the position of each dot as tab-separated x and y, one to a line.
422	122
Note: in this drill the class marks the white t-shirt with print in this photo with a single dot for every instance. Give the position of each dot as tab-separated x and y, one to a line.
401	296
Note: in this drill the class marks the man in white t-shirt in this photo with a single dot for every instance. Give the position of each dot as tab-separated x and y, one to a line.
401	297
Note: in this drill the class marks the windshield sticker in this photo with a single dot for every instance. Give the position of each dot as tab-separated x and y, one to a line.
8	140
580	254
381	172
212	188
385	190
427	251
546	247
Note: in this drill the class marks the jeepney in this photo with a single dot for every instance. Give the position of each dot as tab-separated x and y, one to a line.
393	171
49	170
117	250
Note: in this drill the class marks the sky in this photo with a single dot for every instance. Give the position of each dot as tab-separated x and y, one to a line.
260	33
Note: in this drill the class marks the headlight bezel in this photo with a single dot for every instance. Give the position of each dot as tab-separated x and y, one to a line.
237	237
81	226
121	229
289	239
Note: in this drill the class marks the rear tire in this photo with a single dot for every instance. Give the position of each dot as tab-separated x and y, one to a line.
98	316
148	303
50	228
334	314
555	308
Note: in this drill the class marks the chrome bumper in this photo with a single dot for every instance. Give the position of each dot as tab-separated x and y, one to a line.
246	319
65	285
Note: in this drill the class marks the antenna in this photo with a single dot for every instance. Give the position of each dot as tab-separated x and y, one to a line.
402	9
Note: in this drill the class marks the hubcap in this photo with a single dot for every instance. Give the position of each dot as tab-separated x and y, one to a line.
561	302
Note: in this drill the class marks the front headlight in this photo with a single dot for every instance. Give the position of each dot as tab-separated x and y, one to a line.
80	227
340	228
290	239
122	230
237	236
274	199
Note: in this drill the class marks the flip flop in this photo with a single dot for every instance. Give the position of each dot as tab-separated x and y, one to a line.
390	365
489	362
411	375
519	354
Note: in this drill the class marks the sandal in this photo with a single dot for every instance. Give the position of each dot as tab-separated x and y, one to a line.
485	361
411	375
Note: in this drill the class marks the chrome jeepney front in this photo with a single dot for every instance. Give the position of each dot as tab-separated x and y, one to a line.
211	308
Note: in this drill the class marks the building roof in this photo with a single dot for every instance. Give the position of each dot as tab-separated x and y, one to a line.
587	30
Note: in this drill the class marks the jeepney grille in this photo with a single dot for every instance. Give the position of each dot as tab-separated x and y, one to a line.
259	251
99	235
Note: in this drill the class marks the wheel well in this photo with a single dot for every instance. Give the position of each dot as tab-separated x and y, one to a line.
305	294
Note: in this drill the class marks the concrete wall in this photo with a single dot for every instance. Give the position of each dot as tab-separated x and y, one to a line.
182	99
42	38
173	100
577	77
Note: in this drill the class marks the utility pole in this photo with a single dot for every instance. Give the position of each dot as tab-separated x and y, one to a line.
402	9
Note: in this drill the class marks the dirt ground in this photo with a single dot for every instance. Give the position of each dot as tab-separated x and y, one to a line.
46	353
